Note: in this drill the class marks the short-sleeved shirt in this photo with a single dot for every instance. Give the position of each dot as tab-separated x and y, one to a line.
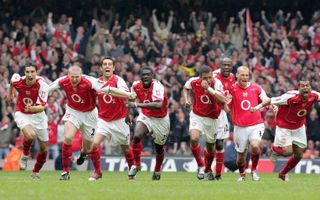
156	92
292	109
37	94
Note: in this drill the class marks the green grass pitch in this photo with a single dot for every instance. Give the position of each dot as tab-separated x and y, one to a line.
173	186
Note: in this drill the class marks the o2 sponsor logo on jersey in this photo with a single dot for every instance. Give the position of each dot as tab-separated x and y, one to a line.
302	113
27	101
108	99
76	98
205	99
245	105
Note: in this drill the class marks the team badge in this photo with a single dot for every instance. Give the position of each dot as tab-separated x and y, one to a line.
28	92
245	94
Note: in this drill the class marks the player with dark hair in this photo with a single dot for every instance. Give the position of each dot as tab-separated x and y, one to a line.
153	119
207	93
227	79
290	137
30	116
112	123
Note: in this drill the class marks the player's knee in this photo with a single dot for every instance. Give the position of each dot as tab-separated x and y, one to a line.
240	161
136	139
30	136
219	145
241	158
95	147
194	142
298	156
43	150
194	139
159	148
255	150
287	151
68	139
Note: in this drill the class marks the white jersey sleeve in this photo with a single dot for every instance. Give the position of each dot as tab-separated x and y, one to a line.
43	92
263	95
133	84
317	93
15	77
158	91
283	99
92	80
187	85
121	84
55	84
218	86
215	73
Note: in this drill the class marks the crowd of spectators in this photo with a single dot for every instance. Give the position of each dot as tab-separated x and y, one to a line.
285	48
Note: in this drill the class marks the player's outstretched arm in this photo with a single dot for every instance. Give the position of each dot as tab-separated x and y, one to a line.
186	96
151	105
10	94
34	109
15	78
118	93
261	105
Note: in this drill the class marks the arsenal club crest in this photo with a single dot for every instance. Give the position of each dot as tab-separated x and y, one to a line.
245	94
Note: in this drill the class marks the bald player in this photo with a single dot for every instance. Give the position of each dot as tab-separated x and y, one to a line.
248	126
81	112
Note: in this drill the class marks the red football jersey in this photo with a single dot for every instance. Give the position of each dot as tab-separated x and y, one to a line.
242	100
156	92
83	97
30	95
111	107
204	104
292	109
226	82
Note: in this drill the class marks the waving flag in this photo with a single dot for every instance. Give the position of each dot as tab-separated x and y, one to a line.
249	28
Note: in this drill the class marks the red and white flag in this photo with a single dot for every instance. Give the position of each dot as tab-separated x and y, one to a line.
249	27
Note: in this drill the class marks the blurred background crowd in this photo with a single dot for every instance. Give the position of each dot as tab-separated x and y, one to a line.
174	37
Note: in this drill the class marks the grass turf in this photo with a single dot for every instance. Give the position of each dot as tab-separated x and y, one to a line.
181	185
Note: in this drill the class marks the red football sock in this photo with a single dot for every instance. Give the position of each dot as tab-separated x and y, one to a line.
278	150
66	154
26	146
95	157
219	162
136	150
291	163
159	161
242	168
196	151
129	158
40	160
254	160
208	157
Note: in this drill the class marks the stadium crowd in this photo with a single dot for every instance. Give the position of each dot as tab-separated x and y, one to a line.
285	48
